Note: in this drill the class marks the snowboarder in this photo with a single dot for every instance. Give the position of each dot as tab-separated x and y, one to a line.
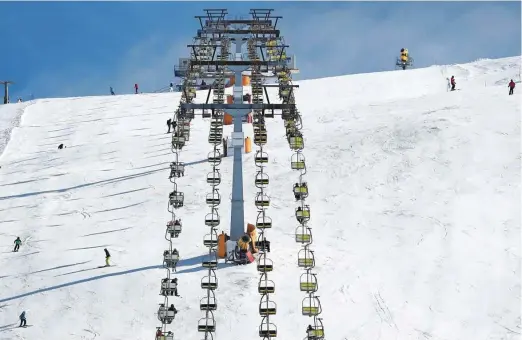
107	257
171	87
453	83
136	88
511	87
23	321
17	243
112	91
169	123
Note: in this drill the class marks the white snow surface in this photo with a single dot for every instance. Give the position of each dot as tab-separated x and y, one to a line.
414	196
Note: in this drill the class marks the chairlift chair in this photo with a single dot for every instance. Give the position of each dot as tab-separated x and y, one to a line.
263	221
167	287
214	198
207	325
260	137
214	177
214	157
165	316
298	161
302	215
177	169
303	235
212	218
301	191
176	199
308	282
261	180
266	286
265	265
210	262
261	158
267	307
174	229
262	200
267	330
208	302
216	123
305	258
211	240
170	260
296	143
209	282
178	142
311	306
317	331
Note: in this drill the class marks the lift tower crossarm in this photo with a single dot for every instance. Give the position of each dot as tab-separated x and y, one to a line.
238	106
232	31
237	63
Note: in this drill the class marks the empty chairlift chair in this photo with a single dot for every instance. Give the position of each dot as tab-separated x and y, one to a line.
262	200
207	325
211	240
210	261
308	282
214	198
311	306
214	157
209	282
267	330
212	218
170	259
296	142
298	161
305	258
261	158
266	286
214	177
263	221
303	235
178	140
177	169
261	180
302	214
208	302
265	265
260	137
267	306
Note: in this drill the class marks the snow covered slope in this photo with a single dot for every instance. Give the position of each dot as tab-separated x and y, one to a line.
414	195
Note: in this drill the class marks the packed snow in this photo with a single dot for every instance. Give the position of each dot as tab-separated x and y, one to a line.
414	197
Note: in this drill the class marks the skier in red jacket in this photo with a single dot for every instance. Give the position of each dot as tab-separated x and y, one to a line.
136	88
511	87
453	83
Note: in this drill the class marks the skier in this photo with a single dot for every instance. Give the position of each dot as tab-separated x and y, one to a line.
136	88
175	285
107	257
169	123
511	87
174	124
173	309
112	91
23	321
17	243
171	88
453	83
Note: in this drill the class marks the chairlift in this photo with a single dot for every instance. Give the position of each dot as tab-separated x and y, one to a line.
209	282
317	331
267	307
302	214
210	262
266	286
296	143
300	191
262	200
176	199
214	157
167	287
165	316
298	161
211	240
174	229
178	141
207	325
261	158
303	235
214	198
177	169
261	180
305	258
208	302
216	124
263	221
212	219
308	282
265	265
260	137
215	138
311	306
170	259
267	330
214	178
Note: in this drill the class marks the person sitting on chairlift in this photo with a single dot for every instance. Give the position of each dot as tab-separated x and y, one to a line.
173	309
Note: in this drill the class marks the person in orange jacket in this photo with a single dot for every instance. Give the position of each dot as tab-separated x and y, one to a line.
511	87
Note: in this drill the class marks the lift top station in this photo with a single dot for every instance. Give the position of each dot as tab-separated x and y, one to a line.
224	52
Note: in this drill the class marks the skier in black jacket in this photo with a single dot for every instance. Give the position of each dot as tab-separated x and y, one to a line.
107	257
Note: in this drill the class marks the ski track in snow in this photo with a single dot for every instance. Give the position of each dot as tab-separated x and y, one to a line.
414	196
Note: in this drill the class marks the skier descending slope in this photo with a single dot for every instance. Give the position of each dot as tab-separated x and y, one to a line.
17	243
511	87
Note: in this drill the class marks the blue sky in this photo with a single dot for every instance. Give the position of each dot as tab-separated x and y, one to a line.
58	49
